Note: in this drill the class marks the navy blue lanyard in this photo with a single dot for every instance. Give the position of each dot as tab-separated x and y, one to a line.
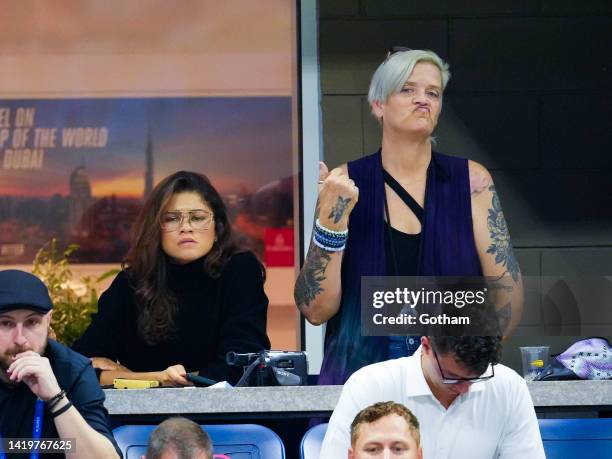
39	413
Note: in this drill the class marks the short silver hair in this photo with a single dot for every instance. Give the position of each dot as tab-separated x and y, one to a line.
392	74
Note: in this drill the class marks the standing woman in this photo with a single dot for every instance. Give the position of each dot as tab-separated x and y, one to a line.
185	297
404	210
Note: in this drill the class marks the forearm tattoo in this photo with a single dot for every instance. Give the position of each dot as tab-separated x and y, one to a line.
501	246
308	283
338	210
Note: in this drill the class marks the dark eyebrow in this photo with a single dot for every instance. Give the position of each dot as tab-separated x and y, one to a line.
32	314
450	375
38	314
190	210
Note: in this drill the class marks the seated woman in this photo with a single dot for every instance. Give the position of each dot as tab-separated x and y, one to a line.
185	297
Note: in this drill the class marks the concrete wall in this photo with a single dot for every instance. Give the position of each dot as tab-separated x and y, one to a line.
530	98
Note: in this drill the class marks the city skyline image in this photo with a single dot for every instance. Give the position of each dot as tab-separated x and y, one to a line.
98	158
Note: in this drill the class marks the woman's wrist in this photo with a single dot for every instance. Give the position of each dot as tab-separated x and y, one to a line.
329	223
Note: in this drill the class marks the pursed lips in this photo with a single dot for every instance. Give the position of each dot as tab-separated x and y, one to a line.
186	241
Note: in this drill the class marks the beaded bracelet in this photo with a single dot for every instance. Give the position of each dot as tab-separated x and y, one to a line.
328	232
327	239
327	248
322	239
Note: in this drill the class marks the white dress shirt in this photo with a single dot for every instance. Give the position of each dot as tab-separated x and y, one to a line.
494	419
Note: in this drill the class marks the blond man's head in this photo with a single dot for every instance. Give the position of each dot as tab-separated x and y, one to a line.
385	430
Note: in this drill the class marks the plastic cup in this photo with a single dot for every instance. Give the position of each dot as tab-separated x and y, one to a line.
534	360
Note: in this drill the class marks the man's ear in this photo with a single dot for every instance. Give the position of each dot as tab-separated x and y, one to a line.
50	331
420	453
351	454
49	317
425	344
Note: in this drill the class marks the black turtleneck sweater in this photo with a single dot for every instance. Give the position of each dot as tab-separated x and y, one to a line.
214	316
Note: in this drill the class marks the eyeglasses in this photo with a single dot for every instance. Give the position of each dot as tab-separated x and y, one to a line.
199	220
483	377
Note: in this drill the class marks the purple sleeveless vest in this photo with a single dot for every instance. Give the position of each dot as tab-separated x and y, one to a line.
447	249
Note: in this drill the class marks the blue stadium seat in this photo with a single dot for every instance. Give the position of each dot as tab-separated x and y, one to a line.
234	441
572	438
312	442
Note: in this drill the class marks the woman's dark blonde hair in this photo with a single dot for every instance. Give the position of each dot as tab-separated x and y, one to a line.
147	264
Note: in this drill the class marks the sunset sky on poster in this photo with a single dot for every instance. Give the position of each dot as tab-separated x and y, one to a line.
213	85
200	134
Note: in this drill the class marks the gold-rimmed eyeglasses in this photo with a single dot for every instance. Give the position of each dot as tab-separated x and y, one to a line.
199	220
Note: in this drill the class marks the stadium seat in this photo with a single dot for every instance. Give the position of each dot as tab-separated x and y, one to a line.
230	441
572	438
312	441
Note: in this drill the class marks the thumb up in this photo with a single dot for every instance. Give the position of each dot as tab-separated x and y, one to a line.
323	173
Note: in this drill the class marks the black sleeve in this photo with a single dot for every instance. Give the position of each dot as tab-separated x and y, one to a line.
245	308
88	398
104	336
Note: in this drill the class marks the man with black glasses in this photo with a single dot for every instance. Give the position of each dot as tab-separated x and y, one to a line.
468	405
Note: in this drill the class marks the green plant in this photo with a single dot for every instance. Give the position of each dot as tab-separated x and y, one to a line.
74	300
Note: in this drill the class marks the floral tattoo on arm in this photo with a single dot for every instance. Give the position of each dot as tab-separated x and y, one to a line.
501	246
308	283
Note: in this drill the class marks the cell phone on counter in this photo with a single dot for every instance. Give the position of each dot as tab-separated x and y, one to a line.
200	381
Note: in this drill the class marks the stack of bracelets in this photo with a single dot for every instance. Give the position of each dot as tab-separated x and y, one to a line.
55	401
329	240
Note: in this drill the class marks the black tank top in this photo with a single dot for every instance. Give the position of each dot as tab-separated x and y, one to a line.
406	248
402	249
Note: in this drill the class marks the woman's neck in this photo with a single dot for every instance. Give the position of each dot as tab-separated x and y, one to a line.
406	158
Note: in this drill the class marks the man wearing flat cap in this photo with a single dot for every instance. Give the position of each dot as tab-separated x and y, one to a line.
47	391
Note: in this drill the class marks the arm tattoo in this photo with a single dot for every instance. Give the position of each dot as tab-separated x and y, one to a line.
501	246
478	182
338	210
308	283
